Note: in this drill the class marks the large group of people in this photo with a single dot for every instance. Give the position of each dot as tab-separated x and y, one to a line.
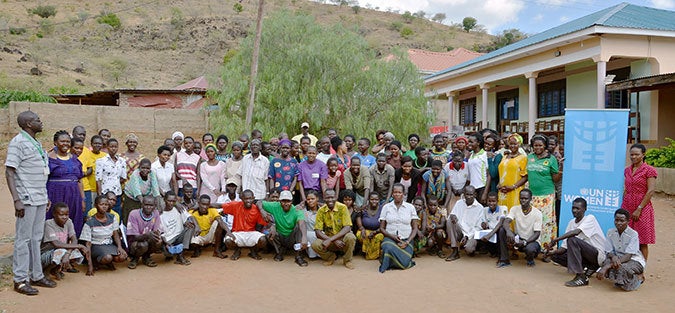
330	197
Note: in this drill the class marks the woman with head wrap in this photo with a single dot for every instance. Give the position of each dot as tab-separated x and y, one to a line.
132	156
232	165
212	173
512	172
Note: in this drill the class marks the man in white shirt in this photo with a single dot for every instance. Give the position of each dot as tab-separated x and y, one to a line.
528	228
624	263
178	228
324	150
582	245
253	171
493	216
465	219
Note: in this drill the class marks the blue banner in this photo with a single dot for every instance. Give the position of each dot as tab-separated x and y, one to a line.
595	157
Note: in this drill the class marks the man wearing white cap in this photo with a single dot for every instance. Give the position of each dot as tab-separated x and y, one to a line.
305	132
289	231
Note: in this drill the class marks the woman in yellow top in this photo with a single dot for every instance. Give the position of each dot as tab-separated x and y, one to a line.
512	173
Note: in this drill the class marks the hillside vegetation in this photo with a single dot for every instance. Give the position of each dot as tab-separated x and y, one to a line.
87	45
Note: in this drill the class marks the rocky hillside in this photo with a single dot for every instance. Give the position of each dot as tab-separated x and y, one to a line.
162	43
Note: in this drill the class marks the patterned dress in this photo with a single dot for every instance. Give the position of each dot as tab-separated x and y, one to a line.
634	191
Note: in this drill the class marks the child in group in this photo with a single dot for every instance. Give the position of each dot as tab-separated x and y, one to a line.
368	226
60	250
492	220
112	200
102	238
433	227
334	174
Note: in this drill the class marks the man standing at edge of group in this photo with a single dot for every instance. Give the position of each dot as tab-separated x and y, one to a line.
305	133
26	171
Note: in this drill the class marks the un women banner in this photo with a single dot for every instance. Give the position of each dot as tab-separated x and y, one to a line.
595	157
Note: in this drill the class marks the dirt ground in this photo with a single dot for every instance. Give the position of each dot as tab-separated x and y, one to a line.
433	285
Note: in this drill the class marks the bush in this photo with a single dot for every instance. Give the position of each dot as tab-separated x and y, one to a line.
238	7
43	11
111	19
6	96
408	17
406	32
662	157
396	26
17	30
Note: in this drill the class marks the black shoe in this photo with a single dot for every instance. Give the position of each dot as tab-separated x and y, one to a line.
44	282
25	288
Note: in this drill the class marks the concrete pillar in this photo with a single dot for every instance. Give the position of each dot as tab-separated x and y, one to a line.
531	103
483	117
602	73
451	109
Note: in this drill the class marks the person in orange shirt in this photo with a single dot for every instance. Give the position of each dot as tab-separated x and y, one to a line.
243	233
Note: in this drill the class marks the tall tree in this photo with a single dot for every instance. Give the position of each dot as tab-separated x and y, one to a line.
328	76
468	23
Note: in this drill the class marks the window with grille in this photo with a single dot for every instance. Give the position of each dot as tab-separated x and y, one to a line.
467	111
552	98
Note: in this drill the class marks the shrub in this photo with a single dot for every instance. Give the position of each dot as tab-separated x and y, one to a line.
17	30
111	19
408	17
7	95
238	7
43	11
406	32
662	157
396	26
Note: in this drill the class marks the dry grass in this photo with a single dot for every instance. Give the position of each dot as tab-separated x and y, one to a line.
164	43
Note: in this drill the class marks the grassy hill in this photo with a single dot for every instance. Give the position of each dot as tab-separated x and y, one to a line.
162	43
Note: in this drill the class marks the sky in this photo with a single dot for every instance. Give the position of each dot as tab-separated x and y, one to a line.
529	16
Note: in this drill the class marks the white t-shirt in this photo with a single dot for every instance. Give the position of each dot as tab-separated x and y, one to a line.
163	175
526	225
591	233
469	217
172	223
457	178
478	168
399	220
323	157
493	218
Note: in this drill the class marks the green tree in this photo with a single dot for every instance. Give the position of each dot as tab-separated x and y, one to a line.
408	17
504	39
438	17
326	75
468	23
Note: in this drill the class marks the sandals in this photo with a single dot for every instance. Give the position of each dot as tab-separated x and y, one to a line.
278	257
578	281
132	264
149	262
72	270
300	261
236	255
180	259
254	255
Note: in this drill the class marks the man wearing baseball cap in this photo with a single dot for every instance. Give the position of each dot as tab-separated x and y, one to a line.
305	132
289	231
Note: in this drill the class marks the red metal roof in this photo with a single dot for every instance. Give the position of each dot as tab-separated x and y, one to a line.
435	61
197	83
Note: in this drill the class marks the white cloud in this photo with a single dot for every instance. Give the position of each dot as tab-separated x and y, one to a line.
663	4
564	19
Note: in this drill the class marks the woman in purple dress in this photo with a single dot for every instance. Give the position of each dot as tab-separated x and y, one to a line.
64	185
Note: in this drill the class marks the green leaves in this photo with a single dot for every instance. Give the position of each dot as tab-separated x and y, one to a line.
328	76
662	157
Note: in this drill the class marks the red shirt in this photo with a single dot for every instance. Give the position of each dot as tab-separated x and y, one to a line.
244	219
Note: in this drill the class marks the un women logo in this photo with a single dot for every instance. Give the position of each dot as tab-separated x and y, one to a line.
594	145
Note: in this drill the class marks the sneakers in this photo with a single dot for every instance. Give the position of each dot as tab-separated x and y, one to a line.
502	264
578	281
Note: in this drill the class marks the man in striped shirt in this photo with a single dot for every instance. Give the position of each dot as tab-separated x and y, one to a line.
27	169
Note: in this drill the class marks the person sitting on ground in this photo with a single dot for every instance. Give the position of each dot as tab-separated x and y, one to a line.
112	199
333	231
310	208
187	201
624	264
582	248
435	182
368	224
211	226
528	228
492	221
143	234
433	233
289	228
102	238
243	234
178	228
463	223
60	250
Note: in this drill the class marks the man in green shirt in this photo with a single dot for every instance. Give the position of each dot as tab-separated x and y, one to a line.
290	230
333	230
